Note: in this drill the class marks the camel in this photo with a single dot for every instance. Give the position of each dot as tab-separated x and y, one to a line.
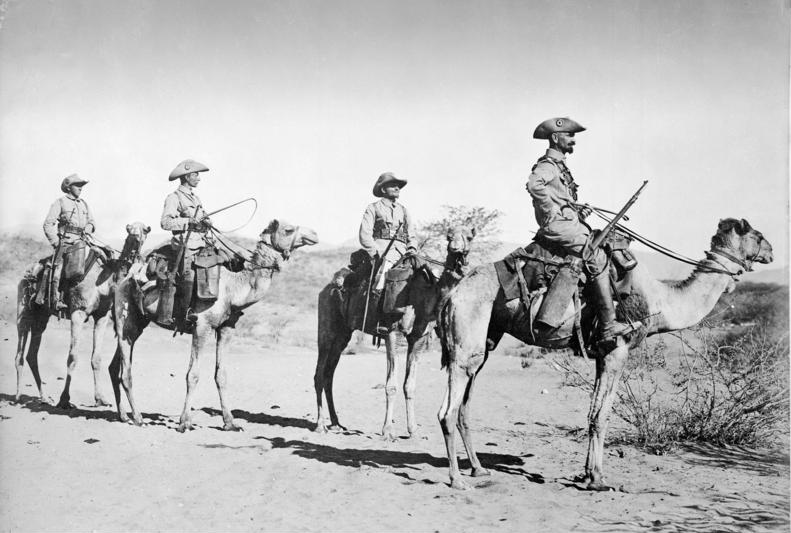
91	297
335	329
237	291
476	316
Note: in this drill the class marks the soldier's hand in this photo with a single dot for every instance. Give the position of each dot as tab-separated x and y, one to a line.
411	250
584	212
195	225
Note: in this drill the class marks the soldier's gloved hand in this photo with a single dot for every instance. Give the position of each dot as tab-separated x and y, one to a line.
584	212
196	225
410	250
206	221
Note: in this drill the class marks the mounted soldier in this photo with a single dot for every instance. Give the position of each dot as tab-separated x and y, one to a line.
184	216
561	220
68	222
386	231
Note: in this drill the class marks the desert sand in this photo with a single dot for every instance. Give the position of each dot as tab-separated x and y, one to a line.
82	470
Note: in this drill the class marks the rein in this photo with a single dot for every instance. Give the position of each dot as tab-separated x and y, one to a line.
251	260
701	265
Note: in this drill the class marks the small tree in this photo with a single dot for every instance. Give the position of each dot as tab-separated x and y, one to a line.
432	235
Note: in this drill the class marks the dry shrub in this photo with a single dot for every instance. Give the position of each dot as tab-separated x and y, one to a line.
723	388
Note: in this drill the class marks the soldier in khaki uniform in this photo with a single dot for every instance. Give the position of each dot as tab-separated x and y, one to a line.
382	221
561	219
184	216
68	221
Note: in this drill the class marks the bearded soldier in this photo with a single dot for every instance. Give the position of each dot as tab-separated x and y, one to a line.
561	219
184	216
68	221
384	221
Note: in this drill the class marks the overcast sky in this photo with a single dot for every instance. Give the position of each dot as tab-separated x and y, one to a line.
303	104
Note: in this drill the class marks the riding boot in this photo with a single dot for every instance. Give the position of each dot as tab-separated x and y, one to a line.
43	286
57	295
167	294
609	328
181	311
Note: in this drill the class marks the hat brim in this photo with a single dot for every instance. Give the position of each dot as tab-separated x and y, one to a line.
174	178
378	189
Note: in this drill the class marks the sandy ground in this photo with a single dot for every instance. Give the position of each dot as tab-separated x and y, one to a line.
81	470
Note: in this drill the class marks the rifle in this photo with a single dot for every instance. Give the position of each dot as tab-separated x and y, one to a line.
375	269
560	293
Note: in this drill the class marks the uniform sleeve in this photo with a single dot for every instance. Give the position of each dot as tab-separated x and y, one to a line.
367	231
89	220
51	223
171	221
539	188
411	238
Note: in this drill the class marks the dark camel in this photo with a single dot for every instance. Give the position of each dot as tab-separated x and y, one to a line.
237	291
476	316
91	297
335	329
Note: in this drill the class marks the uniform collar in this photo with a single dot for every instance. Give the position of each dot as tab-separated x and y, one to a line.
388	202
556	155
72	197
186	189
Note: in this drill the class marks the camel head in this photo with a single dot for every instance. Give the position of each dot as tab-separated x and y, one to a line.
737	241
136	236
459	241
285	237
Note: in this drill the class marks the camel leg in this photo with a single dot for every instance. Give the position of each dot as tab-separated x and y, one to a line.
77	321
608	373
199	337
410	385
128	327
388	432
32	324
448	418
464	426
99	328
330	348
221	378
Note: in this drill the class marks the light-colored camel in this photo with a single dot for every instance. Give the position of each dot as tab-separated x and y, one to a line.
476	315
91	297
335	328
237	291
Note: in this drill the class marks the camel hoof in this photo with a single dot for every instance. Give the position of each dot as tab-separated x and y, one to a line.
480	472
64	404
599	487
337	428
123	417
184	427
101	402
458	484
388	435
232	427
320	428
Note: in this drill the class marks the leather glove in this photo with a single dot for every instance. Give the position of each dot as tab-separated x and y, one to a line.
410	250
584	212
196	225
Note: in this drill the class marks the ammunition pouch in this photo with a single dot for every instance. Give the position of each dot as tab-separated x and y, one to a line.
74	262
395	295
207	274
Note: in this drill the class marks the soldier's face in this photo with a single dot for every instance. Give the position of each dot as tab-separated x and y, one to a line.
75	190
565	142
192	179
391	191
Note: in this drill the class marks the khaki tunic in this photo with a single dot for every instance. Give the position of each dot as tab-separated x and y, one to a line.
554	194
382	218
180	206
67	214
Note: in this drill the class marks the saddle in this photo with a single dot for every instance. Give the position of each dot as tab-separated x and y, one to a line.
349	290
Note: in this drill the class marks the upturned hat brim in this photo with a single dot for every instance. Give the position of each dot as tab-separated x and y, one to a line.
557	125
188	166
384	180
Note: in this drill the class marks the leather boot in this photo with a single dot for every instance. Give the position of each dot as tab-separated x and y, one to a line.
167	294
609	328
59	305
184	319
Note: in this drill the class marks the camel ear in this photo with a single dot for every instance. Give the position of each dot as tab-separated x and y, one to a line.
727	224
473	231
148	229
272	227
745	227
129	228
